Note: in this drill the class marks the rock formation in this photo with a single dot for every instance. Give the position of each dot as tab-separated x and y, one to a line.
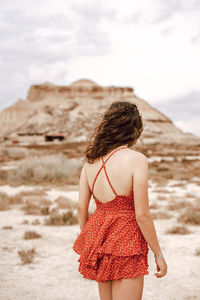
71	111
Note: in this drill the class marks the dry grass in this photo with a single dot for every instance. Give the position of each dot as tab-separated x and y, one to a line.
189	195
65	203
22	196
197	252
32	209
25	222
6	201
29	235
27	256
3	176
185	169
178	184
36	222
154	206
163	169
160	190
66	218
179	205
8	227
18	199
191	217
14	153
178	229
161	197
34	206
45	202
160	215
46	168
45	210
15	200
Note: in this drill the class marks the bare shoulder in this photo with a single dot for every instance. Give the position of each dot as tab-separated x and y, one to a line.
138	164
137	156
85	166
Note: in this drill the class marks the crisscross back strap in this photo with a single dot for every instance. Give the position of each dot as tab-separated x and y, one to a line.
108	177
103	167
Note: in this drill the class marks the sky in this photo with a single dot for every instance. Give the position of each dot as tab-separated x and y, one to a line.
152	46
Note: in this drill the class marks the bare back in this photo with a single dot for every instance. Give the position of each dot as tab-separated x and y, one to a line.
118	169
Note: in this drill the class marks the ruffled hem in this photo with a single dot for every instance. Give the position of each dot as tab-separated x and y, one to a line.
111	248
97	239
110	267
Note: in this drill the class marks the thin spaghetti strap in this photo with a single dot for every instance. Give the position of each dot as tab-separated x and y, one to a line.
115	150
95	180
108	177
103	166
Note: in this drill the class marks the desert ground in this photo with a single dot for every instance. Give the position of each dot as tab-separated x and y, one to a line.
38	224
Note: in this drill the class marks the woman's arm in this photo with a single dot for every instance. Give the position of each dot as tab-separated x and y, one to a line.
84	199
142	211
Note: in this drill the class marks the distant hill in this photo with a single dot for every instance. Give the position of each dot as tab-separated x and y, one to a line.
72	111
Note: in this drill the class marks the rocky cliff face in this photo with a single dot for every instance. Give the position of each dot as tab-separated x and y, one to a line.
79	88
73	110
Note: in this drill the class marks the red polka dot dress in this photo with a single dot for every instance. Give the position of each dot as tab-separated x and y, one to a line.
111	245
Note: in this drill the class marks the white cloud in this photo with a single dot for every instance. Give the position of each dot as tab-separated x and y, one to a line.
152	46
184	110
192	126
36	46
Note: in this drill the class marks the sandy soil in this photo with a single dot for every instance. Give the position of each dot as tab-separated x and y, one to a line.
54	275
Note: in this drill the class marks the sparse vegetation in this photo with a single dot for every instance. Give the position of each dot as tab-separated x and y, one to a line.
25	222
14	153
8	227
27	256
176	169
163	169
154	205
177	229
197	251
29	235
160	190
22	196
32	209
33	206
189	195
179	205
65	203
45	202
66	218
178	184
160	215
44	211
4	202
46	168
191	217
161	197
36	222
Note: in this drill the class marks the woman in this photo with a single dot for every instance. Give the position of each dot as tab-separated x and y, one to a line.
113	242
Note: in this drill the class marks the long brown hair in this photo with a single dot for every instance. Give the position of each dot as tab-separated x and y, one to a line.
121	124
